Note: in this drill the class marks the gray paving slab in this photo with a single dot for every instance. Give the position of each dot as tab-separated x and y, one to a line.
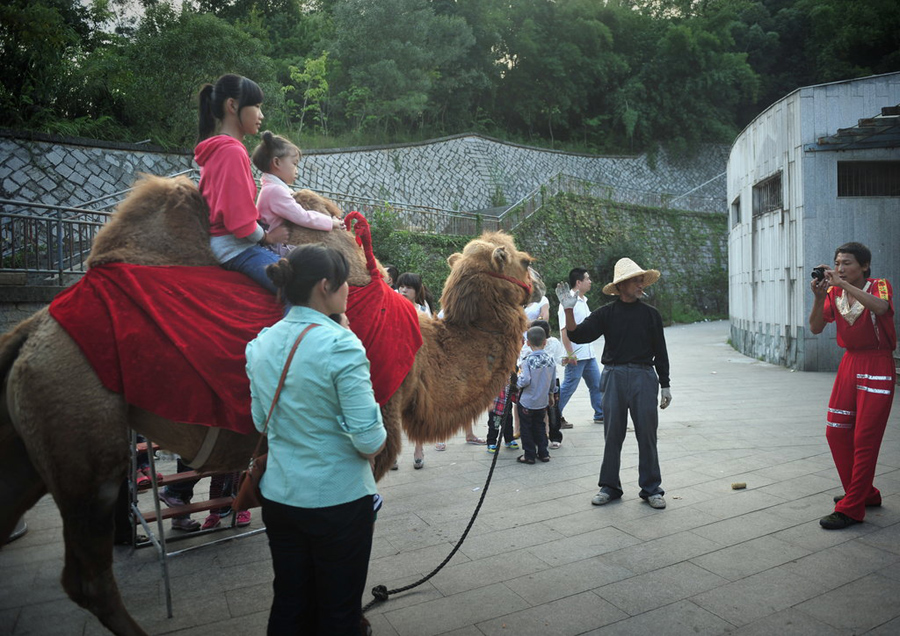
541	559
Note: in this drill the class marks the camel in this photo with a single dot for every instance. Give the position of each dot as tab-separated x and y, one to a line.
63	432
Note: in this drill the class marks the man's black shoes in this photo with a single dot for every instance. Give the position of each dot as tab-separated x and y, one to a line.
837	521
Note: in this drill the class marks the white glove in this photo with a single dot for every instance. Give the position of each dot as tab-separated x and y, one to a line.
665	398
567	297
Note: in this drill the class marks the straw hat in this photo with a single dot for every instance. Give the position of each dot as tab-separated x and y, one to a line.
625	269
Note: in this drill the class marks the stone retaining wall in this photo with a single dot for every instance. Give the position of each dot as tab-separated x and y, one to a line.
465	172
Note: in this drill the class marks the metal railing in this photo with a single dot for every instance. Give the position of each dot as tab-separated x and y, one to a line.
47	241
50	243
414	218
54	241
565	183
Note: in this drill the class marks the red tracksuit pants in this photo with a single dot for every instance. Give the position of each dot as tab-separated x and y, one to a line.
857	416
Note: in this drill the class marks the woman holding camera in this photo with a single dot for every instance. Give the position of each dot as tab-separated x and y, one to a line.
318	486
863	312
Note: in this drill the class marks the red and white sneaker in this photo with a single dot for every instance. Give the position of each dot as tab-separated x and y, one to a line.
212	521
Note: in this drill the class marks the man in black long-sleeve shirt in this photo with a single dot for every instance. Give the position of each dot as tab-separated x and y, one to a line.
635	367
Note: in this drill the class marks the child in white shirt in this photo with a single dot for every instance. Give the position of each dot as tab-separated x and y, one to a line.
277	158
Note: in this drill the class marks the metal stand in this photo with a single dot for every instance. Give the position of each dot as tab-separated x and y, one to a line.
157	538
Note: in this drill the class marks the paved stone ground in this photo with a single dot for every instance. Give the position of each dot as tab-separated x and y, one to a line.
540	559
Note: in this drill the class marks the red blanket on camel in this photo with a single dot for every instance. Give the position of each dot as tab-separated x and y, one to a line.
172	339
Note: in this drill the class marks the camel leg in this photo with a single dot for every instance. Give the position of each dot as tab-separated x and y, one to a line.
85	487
390	414
21	486
88	575
75	434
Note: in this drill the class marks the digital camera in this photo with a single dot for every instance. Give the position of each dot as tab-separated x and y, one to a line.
818	273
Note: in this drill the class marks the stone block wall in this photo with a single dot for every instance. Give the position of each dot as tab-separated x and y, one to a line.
464	172
467	172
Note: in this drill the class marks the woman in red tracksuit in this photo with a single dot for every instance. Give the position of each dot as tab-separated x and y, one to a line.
863	312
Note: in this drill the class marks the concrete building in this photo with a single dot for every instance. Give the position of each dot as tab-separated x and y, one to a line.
816	169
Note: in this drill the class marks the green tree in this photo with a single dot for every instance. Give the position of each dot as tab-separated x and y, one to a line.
312	86
689	92
160	85
41	43
851	39
393	51
562	66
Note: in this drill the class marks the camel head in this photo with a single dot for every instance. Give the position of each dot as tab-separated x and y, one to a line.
163	221
341	240
490	274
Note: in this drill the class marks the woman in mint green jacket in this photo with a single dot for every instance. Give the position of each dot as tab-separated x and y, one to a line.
318	486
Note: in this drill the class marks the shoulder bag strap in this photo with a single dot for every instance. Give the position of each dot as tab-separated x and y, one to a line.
284	371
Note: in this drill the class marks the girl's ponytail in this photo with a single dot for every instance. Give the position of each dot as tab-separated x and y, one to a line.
264	153
207	125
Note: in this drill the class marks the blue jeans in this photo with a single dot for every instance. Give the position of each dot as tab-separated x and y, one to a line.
589	370
253	262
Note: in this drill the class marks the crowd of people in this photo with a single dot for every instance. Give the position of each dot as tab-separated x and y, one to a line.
319	494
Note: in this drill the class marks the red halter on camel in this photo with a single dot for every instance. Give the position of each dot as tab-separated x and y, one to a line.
385	322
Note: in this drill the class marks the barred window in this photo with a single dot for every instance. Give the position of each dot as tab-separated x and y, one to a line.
869	178
767	195
736	212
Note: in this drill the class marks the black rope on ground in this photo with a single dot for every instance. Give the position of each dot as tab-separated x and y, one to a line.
380	592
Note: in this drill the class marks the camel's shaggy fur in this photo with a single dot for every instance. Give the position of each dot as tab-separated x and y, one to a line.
63	432
162	222
338	239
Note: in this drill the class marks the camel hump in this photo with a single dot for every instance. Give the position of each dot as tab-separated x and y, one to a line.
309	200
163	221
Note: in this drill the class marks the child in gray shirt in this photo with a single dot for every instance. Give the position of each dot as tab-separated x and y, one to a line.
537	379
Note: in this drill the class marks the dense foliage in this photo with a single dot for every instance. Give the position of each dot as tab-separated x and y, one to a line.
613	76
571	230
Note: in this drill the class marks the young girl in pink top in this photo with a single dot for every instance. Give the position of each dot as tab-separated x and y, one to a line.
230	110
277	158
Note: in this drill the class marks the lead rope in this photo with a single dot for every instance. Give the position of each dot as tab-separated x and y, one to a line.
381	593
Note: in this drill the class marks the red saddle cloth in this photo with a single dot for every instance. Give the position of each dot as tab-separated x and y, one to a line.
171	339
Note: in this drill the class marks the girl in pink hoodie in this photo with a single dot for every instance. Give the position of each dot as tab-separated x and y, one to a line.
229	110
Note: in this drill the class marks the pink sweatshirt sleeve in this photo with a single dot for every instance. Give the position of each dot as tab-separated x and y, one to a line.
276	205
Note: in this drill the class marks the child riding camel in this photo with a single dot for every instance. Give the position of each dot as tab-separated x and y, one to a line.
277	158
230	110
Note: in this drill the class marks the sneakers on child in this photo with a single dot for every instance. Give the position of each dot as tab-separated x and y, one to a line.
243	518
211	521
513	445
492	448
171	499
555	445
142	478
186	524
